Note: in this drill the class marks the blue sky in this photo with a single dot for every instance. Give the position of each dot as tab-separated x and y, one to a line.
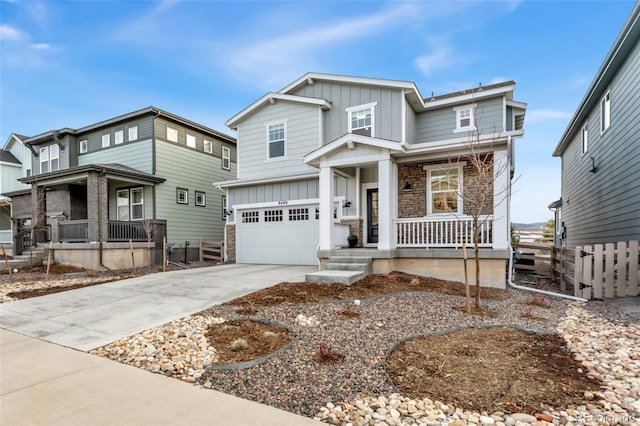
71	64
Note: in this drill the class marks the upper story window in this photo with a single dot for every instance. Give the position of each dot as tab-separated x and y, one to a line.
585	138
106	140
133	133
182	196
118	137
465	120
84	146
201	199
605	112
172	134
226	158
362	119
444	190
191	141
276	140
208	147
49	158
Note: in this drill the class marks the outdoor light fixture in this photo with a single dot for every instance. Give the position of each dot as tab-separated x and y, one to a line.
229	212
593	166
407	185
347	204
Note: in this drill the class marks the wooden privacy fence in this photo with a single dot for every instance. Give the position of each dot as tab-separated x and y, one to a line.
607	270
211	250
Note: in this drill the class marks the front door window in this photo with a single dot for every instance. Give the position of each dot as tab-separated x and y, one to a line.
372	215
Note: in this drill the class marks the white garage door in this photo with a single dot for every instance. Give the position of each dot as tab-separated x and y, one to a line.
283	235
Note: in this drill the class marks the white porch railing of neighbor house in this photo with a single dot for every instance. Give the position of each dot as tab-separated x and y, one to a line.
442	232
5	236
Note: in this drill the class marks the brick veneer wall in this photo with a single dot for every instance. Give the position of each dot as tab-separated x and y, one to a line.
355	227
231	243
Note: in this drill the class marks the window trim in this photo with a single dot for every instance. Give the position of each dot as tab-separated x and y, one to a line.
83	146
193	145
208	144
605	112
45	155
204	199
350	110
284	140
184	191
585	138
170	132
135	129
118	192
472	121
227	158
130	204
44	158
106	140
459	192
224	207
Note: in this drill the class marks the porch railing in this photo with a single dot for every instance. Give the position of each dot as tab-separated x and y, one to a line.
442	232
74	231
125	231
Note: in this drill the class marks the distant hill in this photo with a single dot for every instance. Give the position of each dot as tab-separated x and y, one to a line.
533	226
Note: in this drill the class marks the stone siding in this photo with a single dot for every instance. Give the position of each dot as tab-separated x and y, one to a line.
231	243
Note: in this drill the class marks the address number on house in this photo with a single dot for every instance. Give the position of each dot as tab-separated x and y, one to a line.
283	203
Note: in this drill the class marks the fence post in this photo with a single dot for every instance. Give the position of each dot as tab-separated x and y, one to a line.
609	269
633	268
621	269
597	271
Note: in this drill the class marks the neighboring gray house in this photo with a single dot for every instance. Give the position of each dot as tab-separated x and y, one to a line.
329	156
15	163
106	182
600	151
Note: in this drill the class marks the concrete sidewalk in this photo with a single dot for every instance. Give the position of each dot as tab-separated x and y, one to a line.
45	384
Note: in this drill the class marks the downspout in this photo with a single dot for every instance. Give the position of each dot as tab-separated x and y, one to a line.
224	228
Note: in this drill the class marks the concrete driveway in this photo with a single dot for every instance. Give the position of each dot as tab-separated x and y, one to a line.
90	317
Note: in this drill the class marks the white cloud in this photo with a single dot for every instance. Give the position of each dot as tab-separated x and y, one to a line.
39	46
7	32
441	57
539	115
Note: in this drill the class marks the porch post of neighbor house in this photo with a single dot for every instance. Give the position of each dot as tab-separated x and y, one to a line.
97	209
326	191
501	194
387	189
38	211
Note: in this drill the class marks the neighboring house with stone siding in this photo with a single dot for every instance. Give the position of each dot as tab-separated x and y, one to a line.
329	156
145	174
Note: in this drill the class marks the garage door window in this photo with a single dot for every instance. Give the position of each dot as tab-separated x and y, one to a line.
298	214
273	216
250	217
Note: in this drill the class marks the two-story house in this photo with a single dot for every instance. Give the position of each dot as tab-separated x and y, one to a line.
329	156
15	163
600	151
139	176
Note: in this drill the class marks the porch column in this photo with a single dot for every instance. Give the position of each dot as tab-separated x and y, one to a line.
326	189
38	212
387	192
97	209
501	200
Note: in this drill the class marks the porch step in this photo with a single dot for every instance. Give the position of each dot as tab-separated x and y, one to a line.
342	269
25	259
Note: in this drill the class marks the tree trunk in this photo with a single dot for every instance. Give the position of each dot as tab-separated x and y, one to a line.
477	256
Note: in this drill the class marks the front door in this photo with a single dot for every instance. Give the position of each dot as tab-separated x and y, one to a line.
372	215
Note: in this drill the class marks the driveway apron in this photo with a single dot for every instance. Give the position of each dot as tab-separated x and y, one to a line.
93	316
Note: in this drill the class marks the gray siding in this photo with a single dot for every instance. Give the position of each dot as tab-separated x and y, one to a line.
94	138
605	206
302	136
194	171
161	134
136	155
64	158
440	124
388	112
148	200
411	123
281	191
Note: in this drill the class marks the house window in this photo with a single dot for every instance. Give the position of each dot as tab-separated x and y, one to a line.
172	134
133	133
118	137
130	204
201	199
49	158
106	140
276	140
224	208
605	112
362	119
84	146
28	172
273	216
226	158
208	147
464	118
191	141
444	189
299	214
182	196
250	217
585	139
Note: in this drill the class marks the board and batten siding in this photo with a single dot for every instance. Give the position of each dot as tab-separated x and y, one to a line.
302	135
195	171
439	124
604	206
136	155
273	192
388	112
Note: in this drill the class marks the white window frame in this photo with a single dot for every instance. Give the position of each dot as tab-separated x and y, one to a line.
119	205
355	109
172	134
129	206
106	140
585	138
118	137
54	155
84	146
461	115
44	159
605	112
182	196
459	166
268	127
191	141
202	202
133	133
207	147
141	203
226	158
